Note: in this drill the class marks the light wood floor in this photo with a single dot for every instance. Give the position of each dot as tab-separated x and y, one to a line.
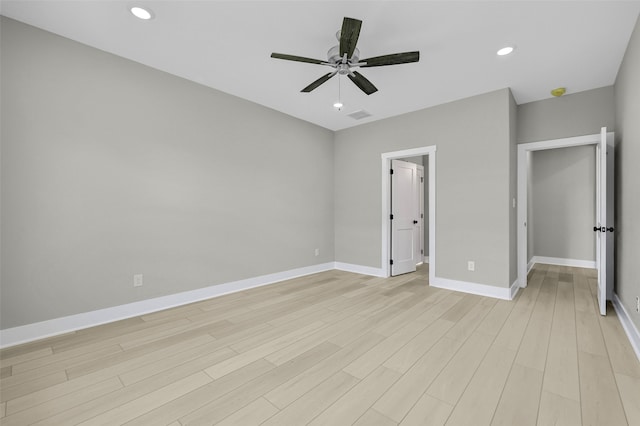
340	349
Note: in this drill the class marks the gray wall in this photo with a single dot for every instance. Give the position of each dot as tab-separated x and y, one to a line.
627	90
576	114
110	168
573	169
563	203
472	207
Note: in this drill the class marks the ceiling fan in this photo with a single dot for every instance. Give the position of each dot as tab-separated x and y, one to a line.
346	55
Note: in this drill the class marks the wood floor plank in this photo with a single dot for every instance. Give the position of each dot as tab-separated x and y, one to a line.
373	418
5	372
359	399
520	399
409	354
253	414
200	397
557	410
561	370
148	402
623	358
629	388
312	403
59	404
375	357
588	333
260	386
238	361
479	400
600	400
199	357
454	378
428	411
23	389
401	397
496	318
533	348
297	386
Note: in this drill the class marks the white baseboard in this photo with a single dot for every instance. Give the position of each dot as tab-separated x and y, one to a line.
629	327
575	263
474	288
514	289
426	259
359	269
530	265
40	330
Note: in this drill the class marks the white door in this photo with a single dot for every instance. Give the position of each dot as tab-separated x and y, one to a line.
604	218
419	254
403	217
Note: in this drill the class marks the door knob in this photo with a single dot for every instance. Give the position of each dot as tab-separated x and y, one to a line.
610	229
415	222
598	229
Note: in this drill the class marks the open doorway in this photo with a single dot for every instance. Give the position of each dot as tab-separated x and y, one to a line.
429	154
603	225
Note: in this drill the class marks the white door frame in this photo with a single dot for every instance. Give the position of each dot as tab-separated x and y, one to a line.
524	151
429	151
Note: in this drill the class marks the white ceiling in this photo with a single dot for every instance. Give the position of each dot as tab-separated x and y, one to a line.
226	45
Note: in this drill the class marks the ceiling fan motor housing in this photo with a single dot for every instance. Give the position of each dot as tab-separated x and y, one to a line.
333	56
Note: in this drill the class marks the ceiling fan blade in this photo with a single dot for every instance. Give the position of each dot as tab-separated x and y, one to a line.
365	85
298	59
318	82
393	59
349	36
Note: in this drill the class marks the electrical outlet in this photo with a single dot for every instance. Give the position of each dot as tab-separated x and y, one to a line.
317	252
471	265
637	303
137	280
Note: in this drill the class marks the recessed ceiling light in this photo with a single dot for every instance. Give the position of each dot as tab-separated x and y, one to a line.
142	13
505	50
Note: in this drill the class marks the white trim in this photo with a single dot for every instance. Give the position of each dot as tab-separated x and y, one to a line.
629	327
40	330
359	269
514	289
524	150
385	231
426	259
473	288
575	263
530	265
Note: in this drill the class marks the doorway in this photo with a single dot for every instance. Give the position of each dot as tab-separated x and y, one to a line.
604	206
430	153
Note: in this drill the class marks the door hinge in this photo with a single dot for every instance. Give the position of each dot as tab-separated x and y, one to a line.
390	261
391	217
421	215
391	171
421	180
421	251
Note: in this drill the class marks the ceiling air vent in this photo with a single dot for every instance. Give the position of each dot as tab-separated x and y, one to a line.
359	115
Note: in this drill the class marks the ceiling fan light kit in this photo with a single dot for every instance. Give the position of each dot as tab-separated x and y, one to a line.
345	56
